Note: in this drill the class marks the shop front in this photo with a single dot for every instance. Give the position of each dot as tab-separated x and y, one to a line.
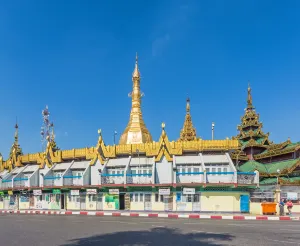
188	200
94	200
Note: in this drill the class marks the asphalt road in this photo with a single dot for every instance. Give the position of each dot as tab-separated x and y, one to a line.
47	230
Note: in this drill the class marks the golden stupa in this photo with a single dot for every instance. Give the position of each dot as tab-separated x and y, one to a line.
136	131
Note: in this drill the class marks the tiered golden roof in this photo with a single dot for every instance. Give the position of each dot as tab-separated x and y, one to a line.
136	131
102	152
188	132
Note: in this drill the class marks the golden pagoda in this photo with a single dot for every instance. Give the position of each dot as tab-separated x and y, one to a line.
188	132
136	131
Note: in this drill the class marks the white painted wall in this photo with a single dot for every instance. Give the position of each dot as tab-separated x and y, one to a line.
164	172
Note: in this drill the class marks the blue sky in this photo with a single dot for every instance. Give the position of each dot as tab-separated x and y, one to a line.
78	57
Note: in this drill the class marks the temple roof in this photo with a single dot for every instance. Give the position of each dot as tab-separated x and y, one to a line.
188	132
270	169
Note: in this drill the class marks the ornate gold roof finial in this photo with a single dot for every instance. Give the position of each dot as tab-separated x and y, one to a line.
16	133
136	131
188	132
136	72
249	98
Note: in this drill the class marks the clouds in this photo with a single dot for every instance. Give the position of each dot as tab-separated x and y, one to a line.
159	44
173	25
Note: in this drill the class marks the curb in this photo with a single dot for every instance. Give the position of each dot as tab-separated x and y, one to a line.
151	215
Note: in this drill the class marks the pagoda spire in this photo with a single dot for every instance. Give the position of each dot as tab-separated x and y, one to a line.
188	132
136	131
15	148
249	99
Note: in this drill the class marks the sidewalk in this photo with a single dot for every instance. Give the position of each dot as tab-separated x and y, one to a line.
153	215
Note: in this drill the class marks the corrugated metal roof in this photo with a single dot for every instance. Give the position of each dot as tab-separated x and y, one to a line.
62	166
215	159
141	161
117	162
17	170
192	159
80	165
30	168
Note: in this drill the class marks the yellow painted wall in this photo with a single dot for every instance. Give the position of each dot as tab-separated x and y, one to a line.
1	205
183	206
220	201
136	205
255	208
73	205
24	205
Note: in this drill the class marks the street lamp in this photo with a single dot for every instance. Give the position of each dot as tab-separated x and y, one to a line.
212	130
115	134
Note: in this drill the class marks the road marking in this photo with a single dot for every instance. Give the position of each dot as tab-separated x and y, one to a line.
36	220
281	241
158	226
243	225
288	230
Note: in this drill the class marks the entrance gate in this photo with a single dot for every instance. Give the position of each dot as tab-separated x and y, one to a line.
196	206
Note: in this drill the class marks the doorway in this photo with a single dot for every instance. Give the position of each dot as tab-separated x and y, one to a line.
62	201
122	201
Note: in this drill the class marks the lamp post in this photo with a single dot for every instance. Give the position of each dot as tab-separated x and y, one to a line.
115	134
278	171
212	130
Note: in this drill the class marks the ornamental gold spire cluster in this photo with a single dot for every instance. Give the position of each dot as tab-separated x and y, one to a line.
188	132
136	131
251	133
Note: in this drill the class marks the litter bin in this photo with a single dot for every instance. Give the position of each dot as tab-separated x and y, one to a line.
269	208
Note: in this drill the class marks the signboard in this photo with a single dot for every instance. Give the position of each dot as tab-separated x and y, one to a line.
10	192
37	192
189	191
56	191
292	196
164	192
1	193
114	191
74	192
91	191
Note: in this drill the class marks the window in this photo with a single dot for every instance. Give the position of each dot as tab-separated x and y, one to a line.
145	171
196	169
219	171
133	171
141	197
92	198
189	170
131	197
161	198
136	197
207	169
150	171
183	170
112	172
156	197
225	169
213	170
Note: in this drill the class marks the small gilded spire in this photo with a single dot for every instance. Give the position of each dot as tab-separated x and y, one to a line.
249	99
136	72
16	134
188	105
188	131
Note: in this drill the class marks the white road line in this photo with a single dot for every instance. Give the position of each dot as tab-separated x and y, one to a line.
278	241
243	225
192	223
289	230
36	220
158	226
